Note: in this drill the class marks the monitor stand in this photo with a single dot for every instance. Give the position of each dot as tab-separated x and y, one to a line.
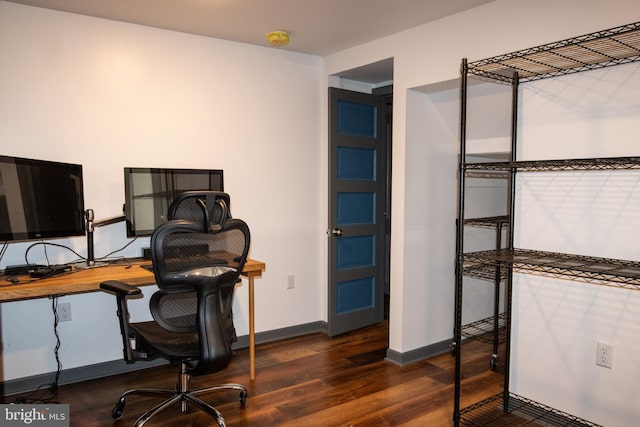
91	225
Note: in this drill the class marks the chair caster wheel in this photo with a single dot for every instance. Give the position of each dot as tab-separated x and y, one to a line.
243	398
493	364
118	410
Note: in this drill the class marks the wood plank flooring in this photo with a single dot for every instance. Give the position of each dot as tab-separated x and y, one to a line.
305	381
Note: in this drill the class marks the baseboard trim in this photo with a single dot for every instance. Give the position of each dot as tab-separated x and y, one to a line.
418	354
282	334
115	367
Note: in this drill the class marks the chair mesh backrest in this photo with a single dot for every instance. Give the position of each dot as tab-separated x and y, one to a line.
184	254
175	311
187	253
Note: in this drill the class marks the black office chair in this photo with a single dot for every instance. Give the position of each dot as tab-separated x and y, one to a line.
192	262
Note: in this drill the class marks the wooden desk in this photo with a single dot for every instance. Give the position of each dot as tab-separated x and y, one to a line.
88	280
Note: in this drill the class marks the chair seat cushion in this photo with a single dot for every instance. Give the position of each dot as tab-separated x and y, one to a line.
175	345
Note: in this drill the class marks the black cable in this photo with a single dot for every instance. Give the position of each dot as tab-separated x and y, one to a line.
46	254
54	305
5	245
45	244
33	399
118	250
52	388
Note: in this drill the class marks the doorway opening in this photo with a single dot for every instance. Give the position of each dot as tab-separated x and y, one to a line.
387	93
360	136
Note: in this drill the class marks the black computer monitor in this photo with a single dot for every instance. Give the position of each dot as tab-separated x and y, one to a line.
40	199
150	191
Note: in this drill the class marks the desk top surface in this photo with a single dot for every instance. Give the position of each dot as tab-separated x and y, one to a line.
88	280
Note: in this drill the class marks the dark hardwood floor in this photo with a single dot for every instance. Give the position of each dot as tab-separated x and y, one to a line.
306	381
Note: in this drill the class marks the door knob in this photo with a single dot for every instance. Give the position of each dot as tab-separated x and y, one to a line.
336	232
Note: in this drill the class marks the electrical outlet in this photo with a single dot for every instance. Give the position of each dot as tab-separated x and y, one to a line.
291	281
604	355
64	312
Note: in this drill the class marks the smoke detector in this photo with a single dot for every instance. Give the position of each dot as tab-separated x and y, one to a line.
278	38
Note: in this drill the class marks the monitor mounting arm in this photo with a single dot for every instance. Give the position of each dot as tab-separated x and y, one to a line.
91	225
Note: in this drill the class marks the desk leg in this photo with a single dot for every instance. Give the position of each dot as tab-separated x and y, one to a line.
252	328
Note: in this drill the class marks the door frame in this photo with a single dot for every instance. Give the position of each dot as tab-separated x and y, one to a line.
383	220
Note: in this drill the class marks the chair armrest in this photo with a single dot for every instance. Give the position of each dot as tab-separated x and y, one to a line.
120	288
122	291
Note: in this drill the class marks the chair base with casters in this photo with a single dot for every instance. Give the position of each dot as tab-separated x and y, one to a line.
182	395
150	337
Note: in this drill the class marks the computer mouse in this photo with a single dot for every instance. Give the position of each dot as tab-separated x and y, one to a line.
13	279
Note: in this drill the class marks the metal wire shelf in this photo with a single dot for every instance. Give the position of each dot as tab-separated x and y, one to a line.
487	222
483	272
605	163
483	329
518	411
491	174
603	271
600	49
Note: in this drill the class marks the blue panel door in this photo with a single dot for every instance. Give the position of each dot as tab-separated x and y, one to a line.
357	189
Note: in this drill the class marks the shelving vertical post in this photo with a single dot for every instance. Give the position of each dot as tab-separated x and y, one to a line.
460	242
515	86
497	279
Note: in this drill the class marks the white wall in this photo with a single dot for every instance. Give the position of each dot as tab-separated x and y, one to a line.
425	59
428	136
109	95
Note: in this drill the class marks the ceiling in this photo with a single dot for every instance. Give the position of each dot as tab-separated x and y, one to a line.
318	27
